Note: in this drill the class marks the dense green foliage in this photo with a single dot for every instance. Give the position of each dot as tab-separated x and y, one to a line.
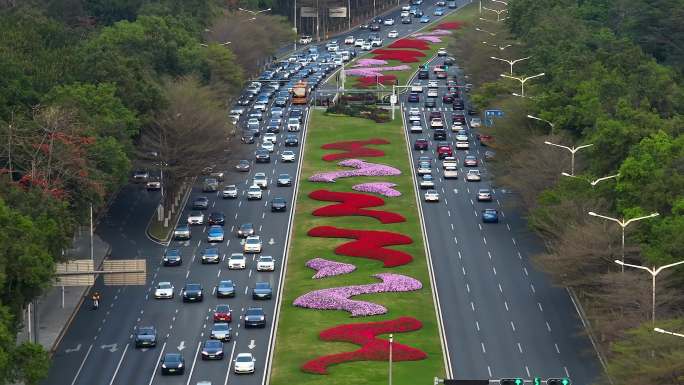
613	79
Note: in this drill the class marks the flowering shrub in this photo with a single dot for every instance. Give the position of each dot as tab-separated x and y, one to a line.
434	32
368	244
368	81
353	204
410	43
369	62
361	169
372	348
382	188
337	298
449	26
353	149
430	38
326	268
402	55
375	71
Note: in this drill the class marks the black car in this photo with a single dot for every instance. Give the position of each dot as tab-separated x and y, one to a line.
406	20
377	20
262	290
146	336
210	255
192	292
296	113
225	289
263	156
375	27
458	105
255	318
247	138
423	74
413	97
273	128
291	140
200	203
420	144
418	13
364	26
217	218
430	103
439	134
450	61
172	257
212	350
278	204
172	363
244	101
245	230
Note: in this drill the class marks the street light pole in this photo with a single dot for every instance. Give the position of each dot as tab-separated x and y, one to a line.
663	331
592	182
654	273
523	81
510	62
542	120
294	19
485	31
572	150
501	47
391	339
498	13
502	2
623	225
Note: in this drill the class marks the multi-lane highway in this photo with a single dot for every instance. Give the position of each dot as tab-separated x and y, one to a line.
98	346
502	318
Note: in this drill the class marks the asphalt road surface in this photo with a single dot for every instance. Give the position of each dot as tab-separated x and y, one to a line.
502	318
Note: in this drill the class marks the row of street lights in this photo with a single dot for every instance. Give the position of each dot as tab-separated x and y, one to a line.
623	223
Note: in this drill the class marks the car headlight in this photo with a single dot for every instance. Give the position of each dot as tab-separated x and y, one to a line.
163	366
205	353
180	365
261	318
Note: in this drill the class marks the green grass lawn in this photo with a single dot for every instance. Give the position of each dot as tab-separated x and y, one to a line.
297	336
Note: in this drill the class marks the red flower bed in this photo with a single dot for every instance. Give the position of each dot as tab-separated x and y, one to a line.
403	55
410	43
372	348
451	25
353	149
368	81
368	244
353	204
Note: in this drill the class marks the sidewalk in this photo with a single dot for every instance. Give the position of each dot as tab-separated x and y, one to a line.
58	305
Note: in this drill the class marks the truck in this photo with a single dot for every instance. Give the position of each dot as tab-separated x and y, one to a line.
300	93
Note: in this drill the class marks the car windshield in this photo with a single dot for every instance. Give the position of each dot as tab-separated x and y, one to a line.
244	359
284	176
213	344
265	259
193	286
237	256
253	241
221	327
164	285
146	331
262	285
216	229
211	251
222	309
226	284
254	312
172	357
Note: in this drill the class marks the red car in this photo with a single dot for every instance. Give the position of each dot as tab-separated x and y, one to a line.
222	313
485	140
470	161
420	144
458	118
435	114
444	150
447	99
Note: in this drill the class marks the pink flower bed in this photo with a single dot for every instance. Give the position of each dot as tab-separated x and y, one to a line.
436	32
337	298
327	268
375	71
430	38
369	62
361	169
382	188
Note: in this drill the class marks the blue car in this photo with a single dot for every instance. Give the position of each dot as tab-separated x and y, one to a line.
490	216
425	19
413	98
215	234
439	12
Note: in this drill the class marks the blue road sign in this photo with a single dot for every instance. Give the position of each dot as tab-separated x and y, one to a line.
497	113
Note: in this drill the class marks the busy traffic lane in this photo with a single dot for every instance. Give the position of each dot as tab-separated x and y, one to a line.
503	306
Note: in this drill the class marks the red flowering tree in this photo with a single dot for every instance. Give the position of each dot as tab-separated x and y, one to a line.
353	149
368	244
372	348
353	204
402	55
410	43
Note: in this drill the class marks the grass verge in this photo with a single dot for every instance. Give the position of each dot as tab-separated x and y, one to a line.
297	335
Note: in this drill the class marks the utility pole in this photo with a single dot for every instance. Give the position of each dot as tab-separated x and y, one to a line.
9	147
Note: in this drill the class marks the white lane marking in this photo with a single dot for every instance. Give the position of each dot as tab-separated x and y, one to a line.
154	371
500	288
567	374
525	270
485	240
464	272
452	226
449	212
512	326
468	288
506	305
489	370
456	242
508	227
78	372
519	255
230	363
533	290
528	371
472	305
477	325
118	366
459	255
514	241
246	288
556	346
494	270
484	351
480	226
540	307
519	347
194	360
489	253
548	327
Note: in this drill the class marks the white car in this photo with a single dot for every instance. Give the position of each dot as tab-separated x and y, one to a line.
195	218
456	126
376	42
462	135
254	192
163	290
260	107
153	184
244	363
332	47
414	117
260	180
366	46
473	176
475	122
265	263
229	191
442	52
431	196
270	137
433	83
349	40
252	244
424	168
436	123
404	14
416	127
427	182
237	261
392	34
450	172
305	39
449	161
462	145
432	93
268	146
359	42
293	124
416	87
287	156
389	21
